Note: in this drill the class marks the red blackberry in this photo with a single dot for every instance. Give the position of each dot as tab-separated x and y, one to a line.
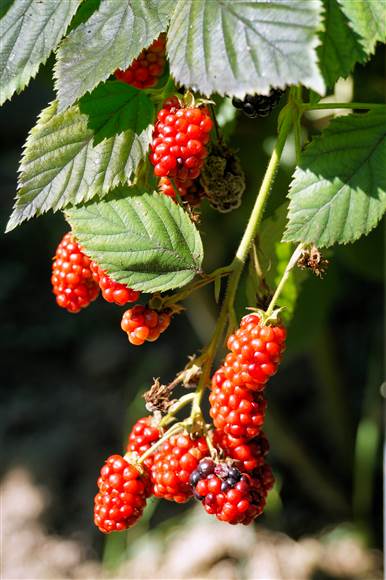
122	495
113	291
255	352
236	410
144	324
142	436
173	465
72	281
227	493
180	134
249	455
258	105
145	70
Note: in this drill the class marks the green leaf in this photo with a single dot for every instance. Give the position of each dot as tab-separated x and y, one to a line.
147	242
238	47
29	31
60	166
340	48
339	190
368	20
114	107
112	38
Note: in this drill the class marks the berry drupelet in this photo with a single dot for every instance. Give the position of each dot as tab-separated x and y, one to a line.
142	436
258	105
72	279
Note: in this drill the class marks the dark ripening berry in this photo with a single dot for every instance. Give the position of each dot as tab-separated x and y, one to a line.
174	463
229	494
145	70
258	105
122	495
72	280
144	324
113	291
256	351
236	410
178	148
142	436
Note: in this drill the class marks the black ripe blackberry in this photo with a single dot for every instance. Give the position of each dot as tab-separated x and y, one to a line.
258	105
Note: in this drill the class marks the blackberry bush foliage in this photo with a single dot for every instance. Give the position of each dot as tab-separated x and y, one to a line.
133	149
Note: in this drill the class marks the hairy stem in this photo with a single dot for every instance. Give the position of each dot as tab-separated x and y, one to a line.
291	264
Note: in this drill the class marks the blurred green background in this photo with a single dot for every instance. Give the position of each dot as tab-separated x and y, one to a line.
72	385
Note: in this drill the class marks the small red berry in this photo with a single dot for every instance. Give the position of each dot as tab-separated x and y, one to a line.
142	436
113	291
72	280
145	71
122	495
144	324
173	465
249	455
178	148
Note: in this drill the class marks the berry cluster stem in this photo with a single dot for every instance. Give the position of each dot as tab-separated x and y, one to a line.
291	264
240	259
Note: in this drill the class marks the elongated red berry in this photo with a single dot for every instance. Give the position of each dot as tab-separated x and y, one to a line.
227	493
145	71
236	410
178	148
122	495
142	436
144	324
113	291
173	465
256	351
72	280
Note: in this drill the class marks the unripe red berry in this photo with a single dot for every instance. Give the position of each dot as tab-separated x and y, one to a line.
145	71
122	495
72	280
144	324
142	436
173	465
113	291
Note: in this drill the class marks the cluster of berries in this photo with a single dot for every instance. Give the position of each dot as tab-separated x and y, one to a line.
145	71
178	149
179	468
258	105
77	281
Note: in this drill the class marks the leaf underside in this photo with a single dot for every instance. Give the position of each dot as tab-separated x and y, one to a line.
29	31
244	47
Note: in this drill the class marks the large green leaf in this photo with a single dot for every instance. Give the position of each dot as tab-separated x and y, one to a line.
367	19
60	165
114	107
340	48
146	241
339	189
238	47
29	31
110	39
